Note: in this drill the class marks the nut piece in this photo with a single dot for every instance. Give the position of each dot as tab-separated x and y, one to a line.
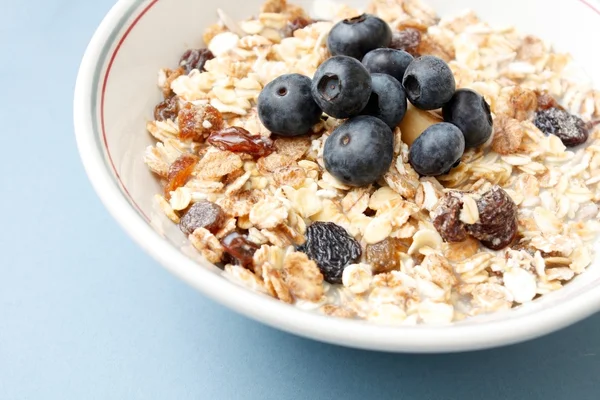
415	122
508	135
446	218
357	277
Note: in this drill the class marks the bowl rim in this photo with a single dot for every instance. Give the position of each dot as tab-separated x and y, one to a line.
351	333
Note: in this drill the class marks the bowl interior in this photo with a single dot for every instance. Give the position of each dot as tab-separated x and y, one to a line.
147	35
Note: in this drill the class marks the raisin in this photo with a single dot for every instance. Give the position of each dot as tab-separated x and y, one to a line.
331	248
195	59
570	129
408	40
239	140
179	172
202	214
195	122
497	225
384	256
294	25
167	109
446	218
545	100
240	249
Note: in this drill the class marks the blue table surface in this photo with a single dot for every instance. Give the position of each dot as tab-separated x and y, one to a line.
86	314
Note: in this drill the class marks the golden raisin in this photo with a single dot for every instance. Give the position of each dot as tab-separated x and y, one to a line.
239	140
384	256
196	122
408	40
545	100
240	249
167	109
179	172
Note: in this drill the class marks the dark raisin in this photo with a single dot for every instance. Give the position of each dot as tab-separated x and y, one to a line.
446	218
331	248
570	129
497	225
202	214
239	140
195	59
179	172
167	109
407	40
240	249
384	256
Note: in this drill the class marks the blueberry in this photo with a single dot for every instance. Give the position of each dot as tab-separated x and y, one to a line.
428	82
469	111
437	150
388	61
388	100
286	106
341	86
359	151
355	37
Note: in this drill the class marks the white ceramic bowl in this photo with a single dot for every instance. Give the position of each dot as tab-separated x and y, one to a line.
114	97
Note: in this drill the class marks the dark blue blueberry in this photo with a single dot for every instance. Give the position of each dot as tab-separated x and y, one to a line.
428	82
437	149
469	111
388	100
341	86
286	106
355	37
388	61
359	151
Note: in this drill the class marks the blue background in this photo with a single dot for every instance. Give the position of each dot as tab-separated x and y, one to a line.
85	314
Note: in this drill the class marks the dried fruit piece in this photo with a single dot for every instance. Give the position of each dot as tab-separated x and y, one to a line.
384	256
295	24
202	214
545	100
238	247
331	247
239	140
508	135
195	59
497	226
167	109
407	40
446	218
179	172
570	129
195	122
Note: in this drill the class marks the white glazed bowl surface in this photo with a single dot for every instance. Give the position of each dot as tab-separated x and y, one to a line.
115	95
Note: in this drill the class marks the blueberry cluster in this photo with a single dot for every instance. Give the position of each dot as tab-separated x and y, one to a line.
370	85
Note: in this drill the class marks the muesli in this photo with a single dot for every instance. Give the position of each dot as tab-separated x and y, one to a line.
456	216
